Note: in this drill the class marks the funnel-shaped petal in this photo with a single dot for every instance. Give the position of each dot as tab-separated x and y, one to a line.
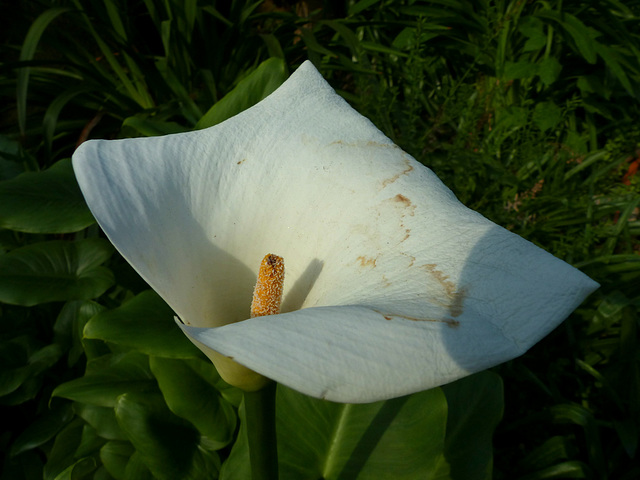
392	285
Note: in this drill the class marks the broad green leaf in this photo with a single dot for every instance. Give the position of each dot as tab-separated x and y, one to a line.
80	469
581	35
108	377
195	399
49	201
42	429
403	438
144	323
511	117
137	469
11	379
475	406
102	419
90	442
238	463
533	29
269	75
546	115
55	271
552	451
69	326
519	69
168	445
64	447
115	457
549	69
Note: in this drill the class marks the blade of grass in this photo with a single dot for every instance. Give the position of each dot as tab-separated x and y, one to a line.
28	51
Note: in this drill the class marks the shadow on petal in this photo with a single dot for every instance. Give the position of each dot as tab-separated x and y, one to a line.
295	297
509	295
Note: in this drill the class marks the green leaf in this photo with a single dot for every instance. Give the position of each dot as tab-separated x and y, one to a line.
137	469
42	429
11	379
28	51
546	115
361	5
115	457
549	69
80	469
269	75
553	450
613	61
238	463
102	419
398	439
107	378
519	69
69	326
581	35
151	127
475	406
44	202
62	453
144	323
55	271
168	445
195	399
533	29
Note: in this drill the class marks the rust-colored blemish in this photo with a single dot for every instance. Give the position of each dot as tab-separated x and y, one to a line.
456	296
366	261
456	307
407	170
411	257
241	161
448	321
402	199
407	234
443	279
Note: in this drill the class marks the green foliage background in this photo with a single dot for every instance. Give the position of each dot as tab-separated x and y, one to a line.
528	110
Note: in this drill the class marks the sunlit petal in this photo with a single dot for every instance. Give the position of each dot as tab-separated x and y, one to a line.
391	284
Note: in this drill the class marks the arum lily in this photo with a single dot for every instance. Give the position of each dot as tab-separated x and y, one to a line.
392	285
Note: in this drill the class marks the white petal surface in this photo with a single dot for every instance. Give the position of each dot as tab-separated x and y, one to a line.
402	287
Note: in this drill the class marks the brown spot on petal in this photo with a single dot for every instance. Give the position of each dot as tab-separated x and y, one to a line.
456	297
448	321
407	170
401	198
456	306
443	279
241	161
366	261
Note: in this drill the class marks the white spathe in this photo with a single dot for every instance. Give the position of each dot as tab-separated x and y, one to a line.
392	285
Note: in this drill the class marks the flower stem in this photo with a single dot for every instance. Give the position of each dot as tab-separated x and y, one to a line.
260	415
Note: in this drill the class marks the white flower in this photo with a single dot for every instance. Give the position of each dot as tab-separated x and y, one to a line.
392	285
